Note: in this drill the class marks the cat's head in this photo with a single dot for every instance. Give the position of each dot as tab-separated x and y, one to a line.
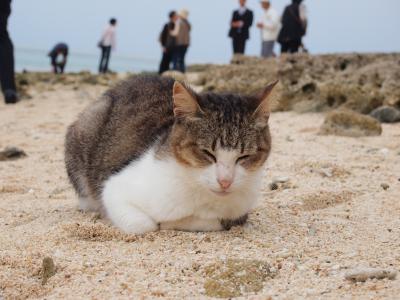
225	137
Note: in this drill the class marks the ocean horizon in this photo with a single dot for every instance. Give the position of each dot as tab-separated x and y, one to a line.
37	60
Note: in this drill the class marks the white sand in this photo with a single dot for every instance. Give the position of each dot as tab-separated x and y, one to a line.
312	233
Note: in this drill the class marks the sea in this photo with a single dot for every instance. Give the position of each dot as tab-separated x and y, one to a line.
37	60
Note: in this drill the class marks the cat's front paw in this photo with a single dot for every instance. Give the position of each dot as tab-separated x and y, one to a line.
228	224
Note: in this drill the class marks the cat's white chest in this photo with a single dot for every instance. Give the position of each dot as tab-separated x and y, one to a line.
152	186
150	192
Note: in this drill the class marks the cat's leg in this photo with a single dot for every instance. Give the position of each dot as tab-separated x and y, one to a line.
87	203
128	218
193	224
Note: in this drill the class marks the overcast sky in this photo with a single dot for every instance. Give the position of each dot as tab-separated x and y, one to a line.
335	25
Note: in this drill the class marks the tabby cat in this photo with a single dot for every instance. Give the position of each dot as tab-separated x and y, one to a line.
152	154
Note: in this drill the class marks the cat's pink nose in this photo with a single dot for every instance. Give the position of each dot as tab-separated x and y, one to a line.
224	183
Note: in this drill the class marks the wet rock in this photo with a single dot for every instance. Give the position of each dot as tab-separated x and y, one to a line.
48	269
386	114
236	277
363	274
348	123
11	153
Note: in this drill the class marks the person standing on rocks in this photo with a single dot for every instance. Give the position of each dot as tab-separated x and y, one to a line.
167	42
7	76
269	26
294	26
242	19
181	33
58	57
106	44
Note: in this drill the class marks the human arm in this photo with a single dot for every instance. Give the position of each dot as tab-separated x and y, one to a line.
175	31
248	20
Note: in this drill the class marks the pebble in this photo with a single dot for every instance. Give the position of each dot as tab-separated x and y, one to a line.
384	151
12	153
289	139
282	179
48	269
363	274
385	186
326	173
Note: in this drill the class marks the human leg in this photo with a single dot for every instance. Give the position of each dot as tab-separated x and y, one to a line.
165	62
107	58
7	76
239	45
182	58
267	49
102	57
294	46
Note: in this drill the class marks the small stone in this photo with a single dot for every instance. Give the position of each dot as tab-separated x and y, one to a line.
282	179
384	151
48	269
363	274
12	153
386	114
326	173
385	186
289	139
273	186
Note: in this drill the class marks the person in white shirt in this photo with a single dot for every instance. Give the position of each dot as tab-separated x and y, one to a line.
270	26
106	44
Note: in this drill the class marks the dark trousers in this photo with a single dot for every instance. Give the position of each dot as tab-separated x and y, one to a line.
291	46
58	68
165	61
7	79
178	58
239	45
104	59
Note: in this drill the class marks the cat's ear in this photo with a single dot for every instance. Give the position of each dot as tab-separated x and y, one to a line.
185	104
261	114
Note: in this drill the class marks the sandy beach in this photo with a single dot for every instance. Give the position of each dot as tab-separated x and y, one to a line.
337	210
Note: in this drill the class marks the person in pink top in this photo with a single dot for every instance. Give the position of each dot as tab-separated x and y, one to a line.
106	44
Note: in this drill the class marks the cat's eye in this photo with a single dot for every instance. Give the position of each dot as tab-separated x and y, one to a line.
209	155
242	158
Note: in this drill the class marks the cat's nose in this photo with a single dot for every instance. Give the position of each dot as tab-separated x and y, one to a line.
224	183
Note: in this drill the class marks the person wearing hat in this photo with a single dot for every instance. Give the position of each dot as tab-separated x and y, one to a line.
269	26
294	26
181	33
7	76
242	19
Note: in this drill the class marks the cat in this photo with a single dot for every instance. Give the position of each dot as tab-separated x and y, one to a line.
152	154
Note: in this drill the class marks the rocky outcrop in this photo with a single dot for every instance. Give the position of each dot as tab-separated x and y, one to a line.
358	82
350	123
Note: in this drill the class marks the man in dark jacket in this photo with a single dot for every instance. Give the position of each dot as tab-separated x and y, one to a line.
7	78
294	24
61	49
242	19
167	42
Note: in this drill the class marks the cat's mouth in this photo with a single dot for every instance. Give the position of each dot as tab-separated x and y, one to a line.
221	193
